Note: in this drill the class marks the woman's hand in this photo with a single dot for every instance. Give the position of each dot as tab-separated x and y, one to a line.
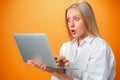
34	63
60	73
61	60
44	67
37	65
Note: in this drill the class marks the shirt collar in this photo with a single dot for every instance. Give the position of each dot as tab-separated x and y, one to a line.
87	39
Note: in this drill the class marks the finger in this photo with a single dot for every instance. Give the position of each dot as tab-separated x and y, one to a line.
43	67
33	63
51	70
62	63
65	60
62	60
59	59
29	61
59	64
55	58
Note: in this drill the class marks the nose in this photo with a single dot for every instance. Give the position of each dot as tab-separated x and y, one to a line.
71	24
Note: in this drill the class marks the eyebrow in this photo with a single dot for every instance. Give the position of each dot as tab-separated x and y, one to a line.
75	16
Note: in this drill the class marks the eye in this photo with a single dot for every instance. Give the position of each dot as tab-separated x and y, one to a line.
77	18
68	19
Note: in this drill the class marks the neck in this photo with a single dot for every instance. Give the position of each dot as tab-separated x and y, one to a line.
80	38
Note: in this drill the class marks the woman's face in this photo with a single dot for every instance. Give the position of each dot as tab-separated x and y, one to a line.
75	23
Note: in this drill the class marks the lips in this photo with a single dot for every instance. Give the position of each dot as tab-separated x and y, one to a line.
73	32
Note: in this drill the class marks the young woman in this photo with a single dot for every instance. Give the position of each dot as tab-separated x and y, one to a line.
87	56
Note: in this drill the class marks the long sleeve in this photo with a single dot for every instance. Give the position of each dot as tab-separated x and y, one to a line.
93	59
101	65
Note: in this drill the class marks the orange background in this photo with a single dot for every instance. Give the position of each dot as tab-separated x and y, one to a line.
36	16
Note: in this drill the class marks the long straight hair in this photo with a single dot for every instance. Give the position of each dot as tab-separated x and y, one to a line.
87	15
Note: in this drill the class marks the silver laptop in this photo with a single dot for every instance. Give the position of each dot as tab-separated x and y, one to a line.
35	46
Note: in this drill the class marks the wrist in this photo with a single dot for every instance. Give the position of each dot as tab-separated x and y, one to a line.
65	77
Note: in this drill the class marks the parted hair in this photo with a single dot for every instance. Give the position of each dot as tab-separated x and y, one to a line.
87	15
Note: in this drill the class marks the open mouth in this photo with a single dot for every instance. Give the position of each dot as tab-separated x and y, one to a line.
73	31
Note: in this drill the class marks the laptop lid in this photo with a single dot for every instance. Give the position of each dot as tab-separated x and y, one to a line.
35	46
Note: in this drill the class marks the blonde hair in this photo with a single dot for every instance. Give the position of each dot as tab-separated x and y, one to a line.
87	16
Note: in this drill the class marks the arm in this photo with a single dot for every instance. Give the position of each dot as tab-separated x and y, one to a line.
62	76
59	73
100	65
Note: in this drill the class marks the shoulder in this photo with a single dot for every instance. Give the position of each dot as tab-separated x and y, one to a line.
64	48
100	43
64	45
101	46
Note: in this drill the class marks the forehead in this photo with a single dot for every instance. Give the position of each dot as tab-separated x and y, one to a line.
73	11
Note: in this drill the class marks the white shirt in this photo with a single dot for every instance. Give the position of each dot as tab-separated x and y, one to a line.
93	59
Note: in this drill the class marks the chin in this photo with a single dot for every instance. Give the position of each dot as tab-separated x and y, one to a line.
74	36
